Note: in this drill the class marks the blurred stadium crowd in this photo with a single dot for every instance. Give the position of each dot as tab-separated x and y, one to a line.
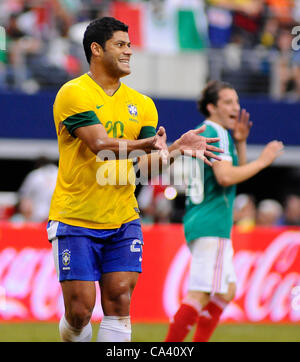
157	206
247	42
157	203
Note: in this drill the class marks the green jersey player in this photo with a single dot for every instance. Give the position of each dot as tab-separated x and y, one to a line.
214	205
209	213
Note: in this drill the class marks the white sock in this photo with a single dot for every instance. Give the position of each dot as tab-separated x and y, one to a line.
114	329
71	334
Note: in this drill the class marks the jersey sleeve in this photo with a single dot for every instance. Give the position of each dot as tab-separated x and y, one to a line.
212	132
73	109
150	119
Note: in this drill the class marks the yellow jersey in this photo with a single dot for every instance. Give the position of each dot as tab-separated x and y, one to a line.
84	194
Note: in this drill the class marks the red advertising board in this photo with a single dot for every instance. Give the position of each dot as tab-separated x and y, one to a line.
267	263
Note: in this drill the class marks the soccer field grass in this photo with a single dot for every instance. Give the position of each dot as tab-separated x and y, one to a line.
48	332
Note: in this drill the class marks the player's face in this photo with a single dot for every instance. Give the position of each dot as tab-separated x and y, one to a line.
117	53
227	110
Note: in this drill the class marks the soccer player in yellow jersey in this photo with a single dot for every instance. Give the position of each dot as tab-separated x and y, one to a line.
94	224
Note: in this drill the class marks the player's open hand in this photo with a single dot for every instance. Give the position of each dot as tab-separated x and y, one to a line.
242	127
195	145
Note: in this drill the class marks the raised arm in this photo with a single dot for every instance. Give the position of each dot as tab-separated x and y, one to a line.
228	175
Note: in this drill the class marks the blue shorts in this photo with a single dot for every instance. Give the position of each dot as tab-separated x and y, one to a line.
85	254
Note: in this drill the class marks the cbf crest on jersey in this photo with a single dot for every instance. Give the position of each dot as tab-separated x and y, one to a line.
132	110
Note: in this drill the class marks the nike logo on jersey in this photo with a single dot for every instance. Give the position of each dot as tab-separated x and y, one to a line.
133	120
98	107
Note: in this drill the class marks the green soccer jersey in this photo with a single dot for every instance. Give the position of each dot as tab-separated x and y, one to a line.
209	206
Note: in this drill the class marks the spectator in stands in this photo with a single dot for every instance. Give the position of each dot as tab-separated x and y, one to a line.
163	209
219	25
154	206
291	215
35	28
40	53
23	211
244	212
287	66
36	192
269	213
269	32
145	200
236	64
296	11
233	21
281	9
247	21
60	55
19	45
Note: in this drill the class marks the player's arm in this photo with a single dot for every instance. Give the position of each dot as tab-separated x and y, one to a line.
97	139
241	148
228	175
190	143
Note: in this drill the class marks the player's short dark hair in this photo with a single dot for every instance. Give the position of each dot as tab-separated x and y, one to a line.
210	95
99	31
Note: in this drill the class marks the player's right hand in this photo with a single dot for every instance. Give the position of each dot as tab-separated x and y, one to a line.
272	150
160	144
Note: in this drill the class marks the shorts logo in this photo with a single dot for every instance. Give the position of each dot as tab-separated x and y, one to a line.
66	258
133	249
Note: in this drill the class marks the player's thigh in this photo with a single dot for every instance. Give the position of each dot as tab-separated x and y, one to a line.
229	296
204	251
121	265
124	251
201	298
116	291
211	267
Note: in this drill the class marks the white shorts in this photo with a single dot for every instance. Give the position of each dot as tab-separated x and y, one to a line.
212	265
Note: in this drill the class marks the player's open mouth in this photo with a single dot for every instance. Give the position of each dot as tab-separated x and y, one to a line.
124	61
233	117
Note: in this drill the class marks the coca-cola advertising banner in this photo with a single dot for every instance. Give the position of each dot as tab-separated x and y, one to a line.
267	263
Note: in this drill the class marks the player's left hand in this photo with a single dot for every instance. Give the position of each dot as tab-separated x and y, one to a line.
242	127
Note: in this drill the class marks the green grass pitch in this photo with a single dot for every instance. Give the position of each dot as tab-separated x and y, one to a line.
48	332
